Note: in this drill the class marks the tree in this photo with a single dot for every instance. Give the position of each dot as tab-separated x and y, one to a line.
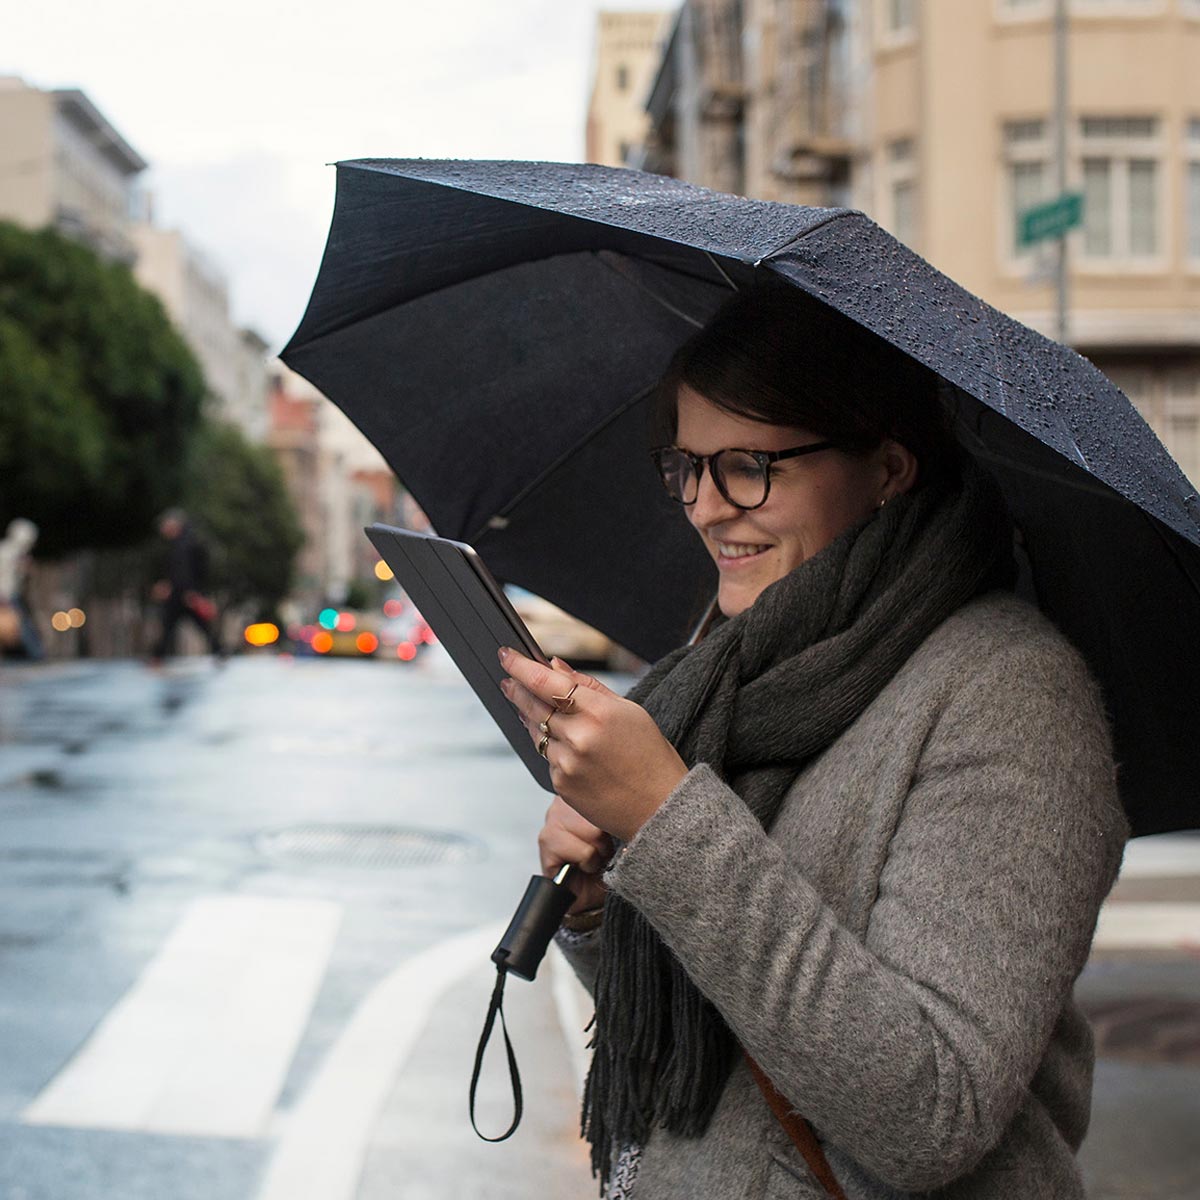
99	395
236	496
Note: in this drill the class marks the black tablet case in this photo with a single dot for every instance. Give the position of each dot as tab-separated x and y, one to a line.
472	618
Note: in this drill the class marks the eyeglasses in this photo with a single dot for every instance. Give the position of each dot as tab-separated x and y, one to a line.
743	477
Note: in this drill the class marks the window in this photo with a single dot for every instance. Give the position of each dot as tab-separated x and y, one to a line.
1192	185
1022	10
622	78
1183	442
899	15
1121	188
902	189
1027	165
1181	434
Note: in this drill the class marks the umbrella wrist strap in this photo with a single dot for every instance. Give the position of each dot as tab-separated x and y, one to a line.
496	1009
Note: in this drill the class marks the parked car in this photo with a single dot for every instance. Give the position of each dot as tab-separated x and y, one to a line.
559	633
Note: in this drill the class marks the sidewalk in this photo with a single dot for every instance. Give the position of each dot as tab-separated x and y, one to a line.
1141	990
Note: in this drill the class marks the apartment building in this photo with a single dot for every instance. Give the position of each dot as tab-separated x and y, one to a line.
195	293
936	117
62	165
628	48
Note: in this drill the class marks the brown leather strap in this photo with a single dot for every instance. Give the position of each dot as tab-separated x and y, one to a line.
799	1130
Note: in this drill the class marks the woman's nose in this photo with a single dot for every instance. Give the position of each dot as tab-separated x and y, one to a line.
710	508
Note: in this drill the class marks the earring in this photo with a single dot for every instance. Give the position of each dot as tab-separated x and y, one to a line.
882	502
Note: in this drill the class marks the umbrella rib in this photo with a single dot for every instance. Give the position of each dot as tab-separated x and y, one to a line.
616	263
1089	485
1058	417
835	214
1187	572
721	271
495	520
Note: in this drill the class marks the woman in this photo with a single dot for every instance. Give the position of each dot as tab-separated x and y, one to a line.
862	828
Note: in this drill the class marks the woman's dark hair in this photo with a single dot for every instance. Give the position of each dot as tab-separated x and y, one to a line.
774	354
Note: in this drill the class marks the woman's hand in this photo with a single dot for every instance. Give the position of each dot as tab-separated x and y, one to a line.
566	837
607	758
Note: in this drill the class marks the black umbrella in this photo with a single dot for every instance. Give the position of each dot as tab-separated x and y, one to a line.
495	329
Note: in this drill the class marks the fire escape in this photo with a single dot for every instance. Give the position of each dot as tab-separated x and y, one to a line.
806	93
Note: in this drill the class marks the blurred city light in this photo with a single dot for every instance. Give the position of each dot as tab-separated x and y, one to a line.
393	608
383	571
406	651
345	622
328	618
61	622
322	642
262	633
367	643
77	617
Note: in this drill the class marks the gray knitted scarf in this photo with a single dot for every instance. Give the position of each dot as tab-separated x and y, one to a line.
756	699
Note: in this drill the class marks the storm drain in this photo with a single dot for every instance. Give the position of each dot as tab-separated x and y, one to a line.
368	846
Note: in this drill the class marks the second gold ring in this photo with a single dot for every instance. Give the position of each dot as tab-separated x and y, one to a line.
541	747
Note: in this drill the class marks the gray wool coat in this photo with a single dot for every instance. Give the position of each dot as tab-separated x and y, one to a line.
898	953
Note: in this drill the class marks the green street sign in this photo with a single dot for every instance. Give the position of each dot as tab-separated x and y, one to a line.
1050	220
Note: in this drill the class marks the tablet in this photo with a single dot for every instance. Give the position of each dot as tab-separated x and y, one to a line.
472	618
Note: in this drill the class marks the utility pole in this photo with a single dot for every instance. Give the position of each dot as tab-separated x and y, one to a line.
1060	158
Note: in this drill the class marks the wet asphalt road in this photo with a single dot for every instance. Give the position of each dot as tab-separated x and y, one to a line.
160	833
128	797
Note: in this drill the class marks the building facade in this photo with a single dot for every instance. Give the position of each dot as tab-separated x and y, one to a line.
937	118
63	166
339	484
628	48
195	293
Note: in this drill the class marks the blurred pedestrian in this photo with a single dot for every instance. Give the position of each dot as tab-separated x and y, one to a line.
19	637
180	590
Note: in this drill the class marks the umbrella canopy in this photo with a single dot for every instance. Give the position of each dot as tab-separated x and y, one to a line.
496	329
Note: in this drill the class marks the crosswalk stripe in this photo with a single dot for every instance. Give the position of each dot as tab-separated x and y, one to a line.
321	1152
201	1043
1149	925
1162	855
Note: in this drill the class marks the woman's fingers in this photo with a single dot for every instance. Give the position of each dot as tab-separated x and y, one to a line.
588	681
566	837
541	681
560	812
532	709
558	849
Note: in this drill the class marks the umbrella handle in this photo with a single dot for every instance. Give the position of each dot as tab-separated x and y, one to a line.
538	916
521	951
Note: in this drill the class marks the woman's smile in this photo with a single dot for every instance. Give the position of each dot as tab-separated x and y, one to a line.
811	500
734	556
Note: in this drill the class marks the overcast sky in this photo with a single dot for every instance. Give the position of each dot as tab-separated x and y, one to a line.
239	104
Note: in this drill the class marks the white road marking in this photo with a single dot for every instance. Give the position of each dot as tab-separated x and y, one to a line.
1162	855
321	1152
200	1045
1131	925
574	1012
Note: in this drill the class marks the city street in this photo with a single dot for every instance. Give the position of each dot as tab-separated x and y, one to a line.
246	920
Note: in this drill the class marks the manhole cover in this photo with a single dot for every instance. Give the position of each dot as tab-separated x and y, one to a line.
1147	1029
369	846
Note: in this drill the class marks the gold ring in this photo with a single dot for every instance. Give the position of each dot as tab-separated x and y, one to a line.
564	704
543	744
544	726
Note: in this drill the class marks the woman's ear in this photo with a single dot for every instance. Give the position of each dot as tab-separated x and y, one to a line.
900	468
